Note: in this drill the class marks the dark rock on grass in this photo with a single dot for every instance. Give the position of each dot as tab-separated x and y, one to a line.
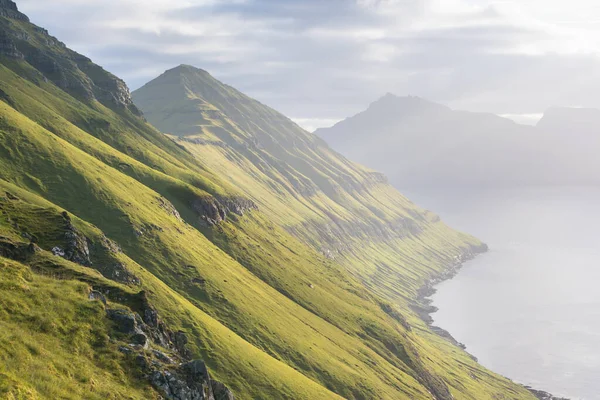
210	211
191	381
96	295
541	395
180	341
213	211
17	251
124	320
118	272
221	392
162	357
8	9
140	339
76	248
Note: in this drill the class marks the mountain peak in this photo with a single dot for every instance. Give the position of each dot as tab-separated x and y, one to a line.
391	105
186	69
9	9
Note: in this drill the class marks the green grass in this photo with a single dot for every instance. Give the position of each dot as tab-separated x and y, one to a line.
54	342
295	293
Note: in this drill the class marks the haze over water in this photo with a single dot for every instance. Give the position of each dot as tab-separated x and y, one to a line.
530	308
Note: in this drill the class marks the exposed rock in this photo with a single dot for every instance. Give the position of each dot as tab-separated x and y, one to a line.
110	245
76	244
96	295
114	269
124	320
213	211
238	205
221	392
57	251
180	341
169	207
70	71
175	376
8	48
118	272
541	395
17	251
209	210
125	349
163	357
191	381
140	339
8	9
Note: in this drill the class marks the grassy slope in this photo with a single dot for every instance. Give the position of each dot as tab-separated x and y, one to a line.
257	321
347	216
45	305
35	158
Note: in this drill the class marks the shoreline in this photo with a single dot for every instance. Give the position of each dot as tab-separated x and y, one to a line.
424	308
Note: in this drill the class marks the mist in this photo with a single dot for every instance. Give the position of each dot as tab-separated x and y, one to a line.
266	199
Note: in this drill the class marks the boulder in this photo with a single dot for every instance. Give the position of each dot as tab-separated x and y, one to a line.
140	339
124	320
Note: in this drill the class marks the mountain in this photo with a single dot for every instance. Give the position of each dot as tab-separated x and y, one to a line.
237	256
420	143
345	212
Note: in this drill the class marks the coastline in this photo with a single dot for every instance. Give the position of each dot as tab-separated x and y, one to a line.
423	305
424	308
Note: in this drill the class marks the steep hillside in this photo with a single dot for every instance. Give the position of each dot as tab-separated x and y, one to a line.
127	256
420	143
345	212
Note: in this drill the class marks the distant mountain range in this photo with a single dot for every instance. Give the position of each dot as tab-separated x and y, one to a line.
416	142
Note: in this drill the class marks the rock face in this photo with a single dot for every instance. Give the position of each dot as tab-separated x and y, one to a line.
77	249
176	376
213	211
191	381
70	71
8	9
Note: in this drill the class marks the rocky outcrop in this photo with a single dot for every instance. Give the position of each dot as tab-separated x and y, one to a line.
168	207
237	205
70	71
210	211
8	9
76	249
17	251
213	211
541	395
112	268
190	381
8	48
175	375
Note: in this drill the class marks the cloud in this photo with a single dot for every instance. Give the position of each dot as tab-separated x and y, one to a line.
319	61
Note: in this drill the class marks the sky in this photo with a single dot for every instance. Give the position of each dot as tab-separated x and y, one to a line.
320	61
